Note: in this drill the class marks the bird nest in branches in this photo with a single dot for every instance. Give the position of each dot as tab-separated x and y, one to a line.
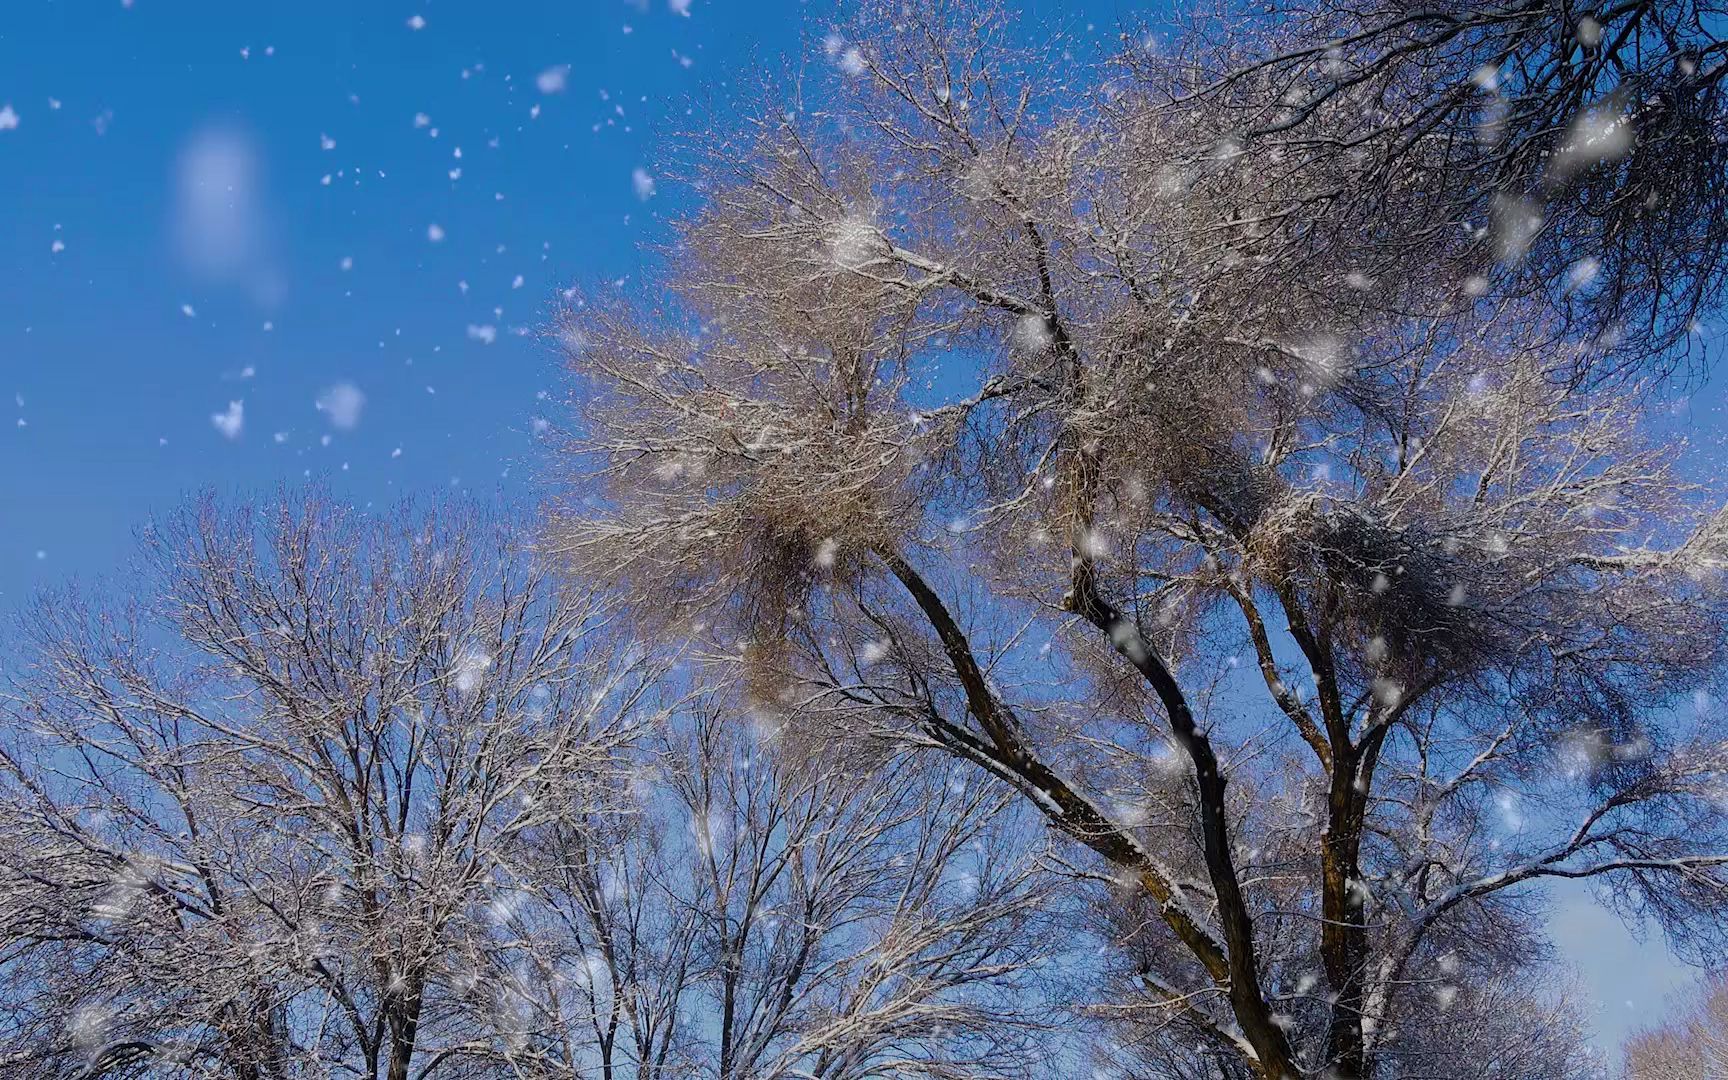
1397	593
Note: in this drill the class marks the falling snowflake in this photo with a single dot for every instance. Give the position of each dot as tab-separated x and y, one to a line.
1032	333
1582	273
230	421
855	242
341	404
470	669
89	1026
1601	133
826	552
1517	222
554	79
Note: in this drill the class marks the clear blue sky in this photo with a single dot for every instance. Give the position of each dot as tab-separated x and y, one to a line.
216	201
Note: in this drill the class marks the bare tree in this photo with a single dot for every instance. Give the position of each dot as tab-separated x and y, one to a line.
773	914
346	796
1276	553
1495	1026
248	809
1692	1045
1532	141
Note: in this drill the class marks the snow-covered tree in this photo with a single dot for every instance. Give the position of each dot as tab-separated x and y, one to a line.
1238	448
323	794
1539	141
250	802
1691	1045
774	913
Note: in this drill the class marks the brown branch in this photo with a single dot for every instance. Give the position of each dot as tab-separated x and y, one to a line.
1069	810
1247	1000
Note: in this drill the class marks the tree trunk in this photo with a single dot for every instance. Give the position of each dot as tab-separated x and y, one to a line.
1344	932
403	1011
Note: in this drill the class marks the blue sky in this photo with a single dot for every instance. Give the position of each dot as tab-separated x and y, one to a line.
351	219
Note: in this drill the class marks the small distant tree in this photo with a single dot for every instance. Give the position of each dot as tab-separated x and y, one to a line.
1691	1045
769	913
1238	449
